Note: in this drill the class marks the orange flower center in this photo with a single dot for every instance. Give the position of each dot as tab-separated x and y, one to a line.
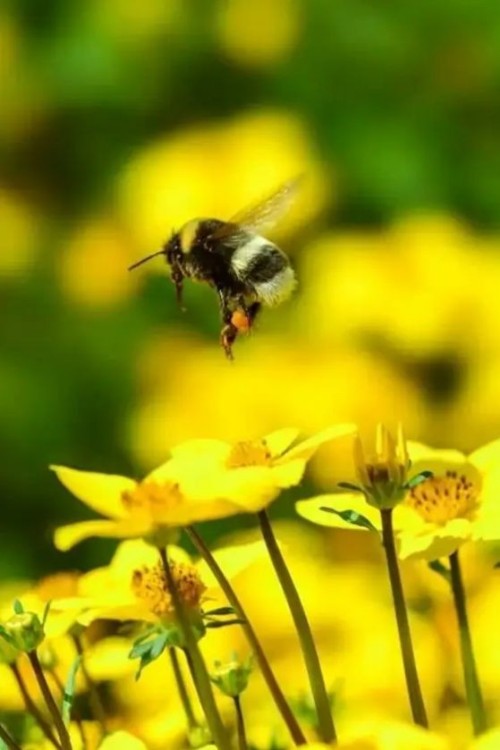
441	499
249	453
153	500
149	584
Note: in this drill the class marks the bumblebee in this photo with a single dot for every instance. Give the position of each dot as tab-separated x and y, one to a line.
247	270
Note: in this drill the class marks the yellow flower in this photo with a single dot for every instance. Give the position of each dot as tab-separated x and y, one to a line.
122	741
458	503
253	473
171	496
134	587
390	735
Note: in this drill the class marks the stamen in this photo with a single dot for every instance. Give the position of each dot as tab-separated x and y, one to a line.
153	499
441	499
249	453
150	585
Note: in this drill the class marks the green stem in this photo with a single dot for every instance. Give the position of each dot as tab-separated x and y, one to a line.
268	674
49	700
202	681
32	708
405	641
6	737
240	723
326	728
471	679
95	702
74	716
182	690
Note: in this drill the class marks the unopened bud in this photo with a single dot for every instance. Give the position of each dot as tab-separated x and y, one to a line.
200	737
8	652
25	631
232	677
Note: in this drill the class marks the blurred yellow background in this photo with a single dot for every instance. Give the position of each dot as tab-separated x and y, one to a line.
121	120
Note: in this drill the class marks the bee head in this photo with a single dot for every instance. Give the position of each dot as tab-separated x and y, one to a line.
171	250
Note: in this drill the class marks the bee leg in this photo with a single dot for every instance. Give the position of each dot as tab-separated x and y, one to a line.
229	331
252	312
228	336
178	279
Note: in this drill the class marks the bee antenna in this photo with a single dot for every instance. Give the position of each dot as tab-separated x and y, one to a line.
144	260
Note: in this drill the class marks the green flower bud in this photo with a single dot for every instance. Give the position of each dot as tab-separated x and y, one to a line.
25	631
8	652
232	677
199	737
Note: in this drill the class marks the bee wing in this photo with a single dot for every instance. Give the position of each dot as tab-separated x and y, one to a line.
261	216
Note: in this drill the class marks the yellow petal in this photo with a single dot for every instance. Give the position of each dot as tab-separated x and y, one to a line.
308	447
135	554
435	541
487	457
67	536
488	741
233	561
248	489
280	440
122	741
216	450
288	474
108	659
311	510
101	492
438	461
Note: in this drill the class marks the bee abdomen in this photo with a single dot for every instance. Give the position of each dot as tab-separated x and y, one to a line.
265	268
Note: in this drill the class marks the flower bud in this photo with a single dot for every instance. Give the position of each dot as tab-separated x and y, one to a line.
25	631
8	652
200	737
232	677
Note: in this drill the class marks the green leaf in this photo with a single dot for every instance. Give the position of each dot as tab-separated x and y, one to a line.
18	607
350	486
440	569
220	611
418	479
7	637
352	517
46	612
222	623
148	651
69	690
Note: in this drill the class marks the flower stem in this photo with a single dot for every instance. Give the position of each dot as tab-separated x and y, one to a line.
326	728
6	737
471	679
405	641
268	674
49	700
32	708
240	723
202	680
95	702
182	690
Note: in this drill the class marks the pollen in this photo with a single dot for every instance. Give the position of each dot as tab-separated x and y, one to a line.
149	584
249	453
153	499
441	499
240	321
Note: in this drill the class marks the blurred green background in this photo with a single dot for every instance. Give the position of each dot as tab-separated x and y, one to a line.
121	119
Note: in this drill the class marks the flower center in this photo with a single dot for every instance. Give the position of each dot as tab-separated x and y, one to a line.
149	584
442	499
153	499
249	453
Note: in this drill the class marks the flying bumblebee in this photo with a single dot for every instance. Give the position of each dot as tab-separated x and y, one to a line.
247	270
